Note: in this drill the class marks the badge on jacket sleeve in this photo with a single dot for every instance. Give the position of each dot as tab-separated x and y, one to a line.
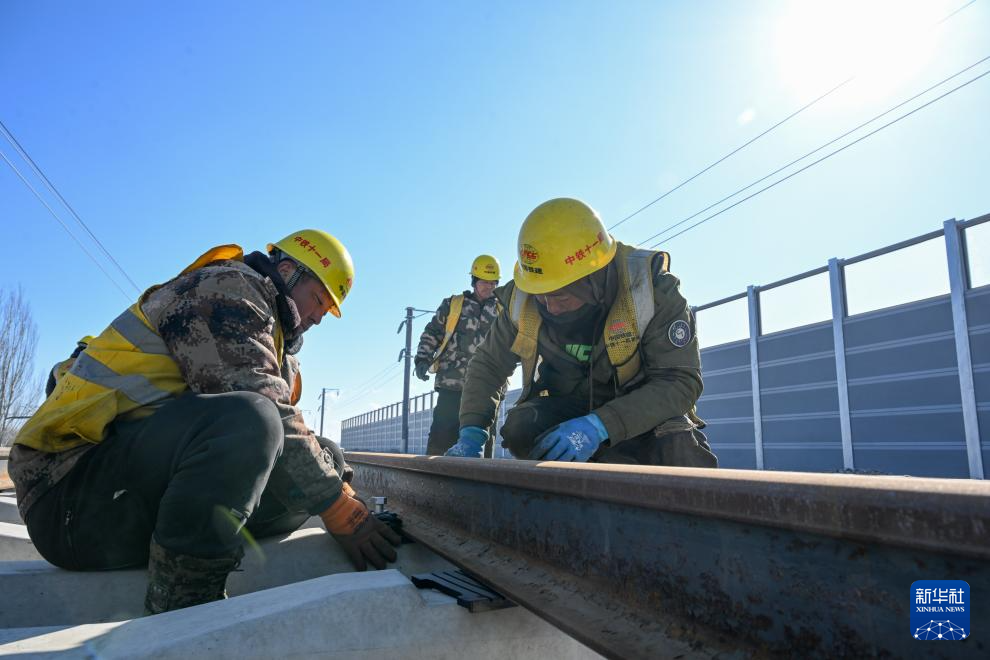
679	333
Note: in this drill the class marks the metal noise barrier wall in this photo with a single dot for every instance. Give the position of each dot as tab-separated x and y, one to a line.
899	390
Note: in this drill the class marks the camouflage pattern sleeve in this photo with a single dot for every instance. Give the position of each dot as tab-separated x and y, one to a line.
489	369
475	321
218	324
672	361
432	335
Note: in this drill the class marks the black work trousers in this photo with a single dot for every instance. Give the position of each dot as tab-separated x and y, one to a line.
190	475
446	425
675	442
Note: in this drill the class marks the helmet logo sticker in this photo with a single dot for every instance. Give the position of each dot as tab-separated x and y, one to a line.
679	333
528	255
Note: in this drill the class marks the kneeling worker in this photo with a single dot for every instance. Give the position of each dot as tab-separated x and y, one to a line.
448	343
610	359
176	428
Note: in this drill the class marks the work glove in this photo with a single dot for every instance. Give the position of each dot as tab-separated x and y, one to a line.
362	536
470	442
574	440
422	367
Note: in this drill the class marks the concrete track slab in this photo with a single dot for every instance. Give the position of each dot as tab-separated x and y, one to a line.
8	510
357	616
8	635
35	593
15	544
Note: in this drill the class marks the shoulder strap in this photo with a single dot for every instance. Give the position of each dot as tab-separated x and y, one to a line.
640	267
453	316
232	252
632	311
526	318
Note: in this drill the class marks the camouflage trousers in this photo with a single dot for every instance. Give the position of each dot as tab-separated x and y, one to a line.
189	475
675	442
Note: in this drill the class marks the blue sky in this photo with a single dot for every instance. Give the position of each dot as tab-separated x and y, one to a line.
421	134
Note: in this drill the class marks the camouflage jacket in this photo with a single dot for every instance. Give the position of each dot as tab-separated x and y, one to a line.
469	334
218	324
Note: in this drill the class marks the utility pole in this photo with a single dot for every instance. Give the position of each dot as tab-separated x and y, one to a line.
323	403
406	354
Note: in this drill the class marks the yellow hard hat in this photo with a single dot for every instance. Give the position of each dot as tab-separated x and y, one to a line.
485	267
325	258
560	242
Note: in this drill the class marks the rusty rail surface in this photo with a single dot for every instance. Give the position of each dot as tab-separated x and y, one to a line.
654	562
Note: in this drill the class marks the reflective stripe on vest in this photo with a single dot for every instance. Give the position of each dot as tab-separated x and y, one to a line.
134	330
628	317
135	387
453	316
126	368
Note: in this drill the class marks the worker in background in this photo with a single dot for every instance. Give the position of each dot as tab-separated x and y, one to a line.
176	428
62	367
450	340
609	352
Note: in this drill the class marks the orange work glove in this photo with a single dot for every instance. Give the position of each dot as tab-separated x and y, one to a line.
363	537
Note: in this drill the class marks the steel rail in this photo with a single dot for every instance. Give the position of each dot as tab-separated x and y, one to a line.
653	562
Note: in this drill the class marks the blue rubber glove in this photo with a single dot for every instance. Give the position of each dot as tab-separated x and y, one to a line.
575	440
470	442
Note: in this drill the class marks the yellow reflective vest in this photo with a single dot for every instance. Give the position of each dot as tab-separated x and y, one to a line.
126	370
453	317
627	319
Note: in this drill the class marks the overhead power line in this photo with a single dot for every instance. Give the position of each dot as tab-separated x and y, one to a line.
360	397
366	387
731	153
814	151
53	190
823	158
751	141
64	226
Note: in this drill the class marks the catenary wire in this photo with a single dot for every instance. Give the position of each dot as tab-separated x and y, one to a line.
823	158
51	188
368	386
730	154
64	226
751	141
370	381
360	397
813	151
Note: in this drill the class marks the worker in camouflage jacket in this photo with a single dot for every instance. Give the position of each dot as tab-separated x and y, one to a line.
450	340
610	361
177	428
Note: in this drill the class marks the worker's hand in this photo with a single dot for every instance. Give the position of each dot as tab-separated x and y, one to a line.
574	440
362	536
470	442
422	367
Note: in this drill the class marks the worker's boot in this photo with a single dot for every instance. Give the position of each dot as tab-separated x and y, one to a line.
176	581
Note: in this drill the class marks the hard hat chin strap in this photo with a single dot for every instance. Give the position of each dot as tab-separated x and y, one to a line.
295	277
277	256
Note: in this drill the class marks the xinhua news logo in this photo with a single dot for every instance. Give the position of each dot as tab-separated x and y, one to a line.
940	610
